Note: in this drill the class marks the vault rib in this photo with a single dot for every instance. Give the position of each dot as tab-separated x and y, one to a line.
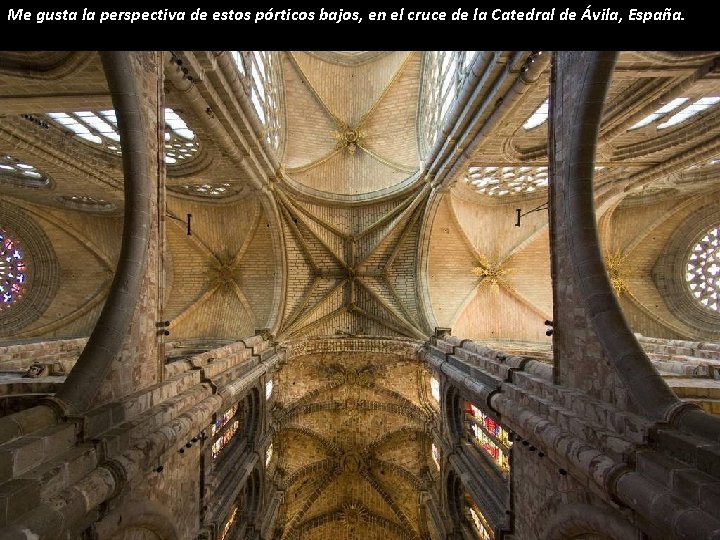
322	320
315	467
313	217
322	486
213	288
294	213
68	228
406	475
297	323
370	477
390	325
196	240
387	307
241	297
96	299
248	237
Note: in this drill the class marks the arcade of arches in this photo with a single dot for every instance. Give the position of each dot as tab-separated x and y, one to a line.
359	294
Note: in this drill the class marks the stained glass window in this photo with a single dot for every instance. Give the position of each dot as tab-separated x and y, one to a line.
689	111
478	520
490	436
210	191
13	270
662	111
229	523
224	439
84	202
703	269
180	143
223	419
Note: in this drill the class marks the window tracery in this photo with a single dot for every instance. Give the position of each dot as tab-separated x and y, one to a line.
84	202
16	172
478	520
262	76
703	269
502	181
226	424
100	129
685	110
444	73
13	270
208	190
493	439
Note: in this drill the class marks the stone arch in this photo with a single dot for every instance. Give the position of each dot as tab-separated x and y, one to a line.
43	270
136	533
453	495
586	522
44	65
251	407
138	521
669	272
253	495
452	412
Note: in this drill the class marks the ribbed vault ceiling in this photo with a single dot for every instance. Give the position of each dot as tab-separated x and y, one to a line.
342	237
353	453
351	129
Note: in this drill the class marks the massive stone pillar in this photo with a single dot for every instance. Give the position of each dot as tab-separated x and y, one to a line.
122	355
595	349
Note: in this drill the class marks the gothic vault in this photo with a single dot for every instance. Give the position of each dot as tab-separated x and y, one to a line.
359	295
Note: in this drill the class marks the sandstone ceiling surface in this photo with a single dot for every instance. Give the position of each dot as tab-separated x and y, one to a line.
340	243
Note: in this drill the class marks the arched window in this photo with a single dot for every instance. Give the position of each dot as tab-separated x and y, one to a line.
539	117
478	521
229	522
86	203
500	181
703	269
13	270
435	389
18	173
252	413
444	73
489	436
206	190
96	127
454	412
99	128
262	77
180	141
683	109
223	430
435	454
465	512
268	455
